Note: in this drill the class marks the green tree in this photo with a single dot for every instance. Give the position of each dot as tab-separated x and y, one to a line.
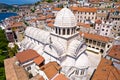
49	1
12	51
3	53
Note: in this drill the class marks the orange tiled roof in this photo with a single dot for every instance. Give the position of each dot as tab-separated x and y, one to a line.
96	37
26	55
50	25
49	16
115	52
33	20
83	25
98	21
105	71
84	9
51	69
57	9
52	21
39	60
57	66
17	24
60	77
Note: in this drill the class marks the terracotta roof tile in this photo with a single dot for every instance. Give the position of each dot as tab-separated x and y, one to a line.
105	71
17	24
96	37
98	21
50	25
57	66
57	9
52	21
61	77
39	60
37	77
51	69
115	52
83	25
26	55
49	16
84	9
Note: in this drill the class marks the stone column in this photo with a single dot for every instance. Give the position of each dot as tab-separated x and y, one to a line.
61	30
70	31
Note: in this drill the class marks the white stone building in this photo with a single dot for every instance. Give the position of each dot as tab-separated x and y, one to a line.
104	28
85	14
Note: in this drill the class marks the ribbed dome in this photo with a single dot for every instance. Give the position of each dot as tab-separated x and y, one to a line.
82	61
65	18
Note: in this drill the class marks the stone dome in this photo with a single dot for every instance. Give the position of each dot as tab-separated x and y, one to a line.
65	18
82	61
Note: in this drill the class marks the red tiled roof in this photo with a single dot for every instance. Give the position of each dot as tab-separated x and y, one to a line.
96	37
50	25
49	16
39	60
115	52
57	9
98	21
17	24
52	21
60	77
26	55
83	25
84	9
51	69
105	71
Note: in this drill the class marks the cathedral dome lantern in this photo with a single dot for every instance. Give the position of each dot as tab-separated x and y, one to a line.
65	22
65	18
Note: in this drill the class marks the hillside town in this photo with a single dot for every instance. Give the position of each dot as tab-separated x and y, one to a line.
64	40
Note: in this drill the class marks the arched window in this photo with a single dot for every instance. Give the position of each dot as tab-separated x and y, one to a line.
101	50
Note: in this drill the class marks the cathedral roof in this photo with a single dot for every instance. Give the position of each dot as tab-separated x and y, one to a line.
38	34
65	18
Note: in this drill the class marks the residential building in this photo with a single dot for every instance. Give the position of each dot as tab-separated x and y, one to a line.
104	28
26	60
106	71
114	55
115	17
85	14
101	43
